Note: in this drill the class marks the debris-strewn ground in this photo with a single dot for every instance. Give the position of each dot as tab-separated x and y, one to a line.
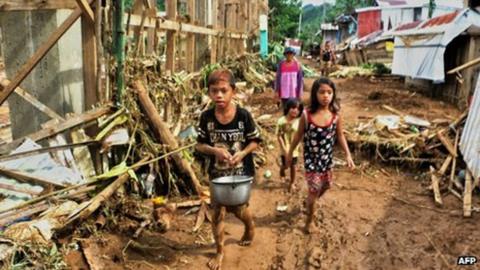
370	219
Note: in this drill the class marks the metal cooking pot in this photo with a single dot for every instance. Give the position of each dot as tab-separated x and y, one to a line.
231	190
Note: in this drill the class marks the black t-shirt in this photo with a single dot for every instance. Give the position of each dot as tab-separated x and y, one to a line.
234	137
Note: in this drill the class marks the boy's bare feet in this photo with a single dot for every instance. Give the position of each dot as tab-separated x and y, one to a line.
216	263
247	237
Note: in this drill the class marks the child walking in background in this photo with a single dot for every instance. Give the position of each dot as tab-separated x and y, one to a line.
289	78
320	126
327	55
287	126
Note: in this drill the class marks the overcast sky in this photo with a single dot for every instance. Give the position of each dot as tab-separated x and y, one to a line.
317	2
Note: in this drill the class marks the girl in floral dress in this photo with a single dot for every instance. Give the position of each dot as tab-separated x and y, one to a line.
320	127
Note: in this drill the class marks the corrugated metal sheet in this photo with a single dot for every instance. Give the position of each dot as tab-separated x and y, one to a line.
444	19
368	22
470	141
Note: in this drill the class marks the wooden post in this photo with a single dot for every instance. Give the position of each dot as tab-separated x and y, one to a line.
214	39
171	6
466	87
191	38
100	61
221	28
89	51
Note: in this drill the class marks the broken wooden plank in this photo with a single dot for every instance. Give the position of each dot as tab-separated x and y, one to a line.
436	188
10	217
445	164
164	135
12	5
45	150
82	154
392	110
106	193
407	159
32	100
28	178
447	144
454	163
467	195
190	203
87	10
67	124
39	54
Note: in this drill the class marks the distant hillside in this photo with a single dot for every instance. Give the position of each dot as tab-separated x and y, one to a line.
312	17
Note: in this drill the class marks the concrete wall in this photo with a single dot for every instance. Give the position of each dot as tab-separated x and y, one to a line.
57	80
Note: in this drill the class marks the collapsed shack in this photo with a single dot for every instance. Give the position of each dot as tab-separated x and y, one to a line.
154	133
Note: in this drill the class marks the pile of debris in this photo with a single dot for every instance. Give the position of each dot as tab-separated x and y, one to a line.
404	139
132	172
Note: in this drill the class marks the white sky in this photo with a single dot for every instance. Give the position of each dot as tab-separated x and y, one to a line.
317	2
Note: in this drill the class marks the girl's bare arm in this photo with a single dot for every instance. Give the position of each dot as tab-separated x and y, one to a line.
343	143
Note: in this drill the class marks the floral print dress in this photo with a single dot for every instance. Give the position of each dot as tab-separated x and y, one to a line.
318	152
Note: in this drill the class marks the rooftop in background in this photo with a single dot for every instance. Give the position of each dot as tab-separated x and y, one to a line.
444	19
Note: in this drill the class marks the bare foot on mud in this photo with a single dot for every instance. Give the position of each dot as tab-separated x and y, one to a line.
247	238
216	263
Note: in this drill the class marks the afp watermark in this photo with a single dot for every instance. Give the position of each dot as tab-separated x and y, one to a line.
467	260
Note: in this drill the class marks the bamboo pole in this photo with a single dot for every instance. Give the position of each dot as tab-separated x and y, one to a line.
119	49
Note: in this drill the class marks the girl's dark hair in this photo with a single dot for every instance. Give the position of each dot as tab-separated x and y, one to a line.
334	106
221	75
293	103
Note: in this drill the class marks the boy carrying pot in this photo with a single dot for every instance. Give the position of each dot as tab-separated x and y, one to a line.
227	134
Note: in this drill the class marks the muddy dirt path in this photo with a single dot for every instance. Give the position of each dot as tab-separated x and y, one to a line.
374	220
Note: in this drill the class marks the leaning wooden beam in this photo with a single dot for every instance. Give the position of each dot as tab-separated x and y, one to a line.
464	66
28	178
87	10
164	134
445	164
68	124
18	5
447	144
39	54
32	100
454	163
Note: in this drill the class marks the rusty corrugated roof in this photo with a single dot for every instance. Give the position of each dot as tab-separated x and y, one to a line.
443	19
407	26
